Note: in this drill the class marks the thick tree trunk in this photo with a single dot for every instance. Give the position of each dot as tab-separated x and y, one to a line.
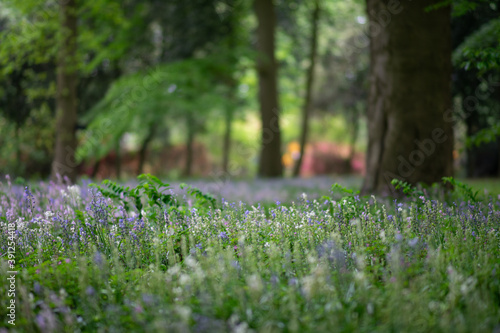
309	84
64	163
270	156
409	135
144	148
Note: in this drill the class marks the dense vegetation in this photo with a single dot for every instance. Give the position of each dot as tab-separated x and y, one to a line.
94	258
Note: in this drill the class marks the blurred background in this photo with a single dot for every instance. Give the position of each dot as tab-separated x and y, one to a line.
172	87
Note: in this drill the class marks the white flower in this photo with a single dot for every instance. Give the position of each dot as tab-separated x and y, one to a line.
184	279
184	312
74	191
254	283
190	262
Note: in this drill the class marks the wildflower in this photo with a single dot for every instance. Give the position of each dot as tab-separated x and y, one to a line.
90	291
98	259
254	283
413	242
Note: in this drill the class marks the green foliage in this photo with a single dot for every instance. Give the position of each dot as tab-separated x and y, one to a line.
468	192
407	188
355	268
349	199
480	50
204	199
152	190
188	89
240	268
486	135
460	7
33	34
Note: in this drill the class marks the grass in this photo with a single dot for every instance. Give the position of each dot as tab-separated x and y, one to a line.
489	185
342	263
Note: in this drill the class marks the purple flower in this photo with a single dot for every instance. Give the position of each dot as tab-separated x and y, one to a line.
90	291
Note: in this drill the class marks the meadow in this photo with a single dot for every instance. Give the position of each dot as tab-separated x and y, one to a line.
152	257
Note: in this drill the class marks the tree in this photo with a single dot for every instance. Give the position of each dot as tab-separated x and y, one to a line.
476	59
309	85
270	156
64	163
410	93
40	38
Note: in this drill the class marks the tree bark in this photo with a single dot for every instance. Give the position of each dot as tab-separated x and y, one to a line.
144	148
409	135
189	146
354	136
309	84
270	155
95	169
18	149
118	158
64	163
226	149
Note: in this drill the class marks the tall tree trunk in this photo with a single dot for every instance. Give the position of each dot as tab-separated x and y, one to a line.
226	149
309	84
410	80
118	159
64	163
354	135
95	169
498	157
20	164
144	148
189	146
270	156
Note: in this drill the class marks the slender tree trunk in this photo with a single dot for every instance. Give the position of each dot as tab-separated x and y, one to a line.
18	149
410	80
306	110
95	169
189	147
64	163
354	136
144	148
270	156
227	140
118	159
498	157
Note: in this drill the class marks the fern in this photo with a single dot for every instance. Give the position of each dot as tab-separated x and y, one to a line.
407	188
152	190
465	189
